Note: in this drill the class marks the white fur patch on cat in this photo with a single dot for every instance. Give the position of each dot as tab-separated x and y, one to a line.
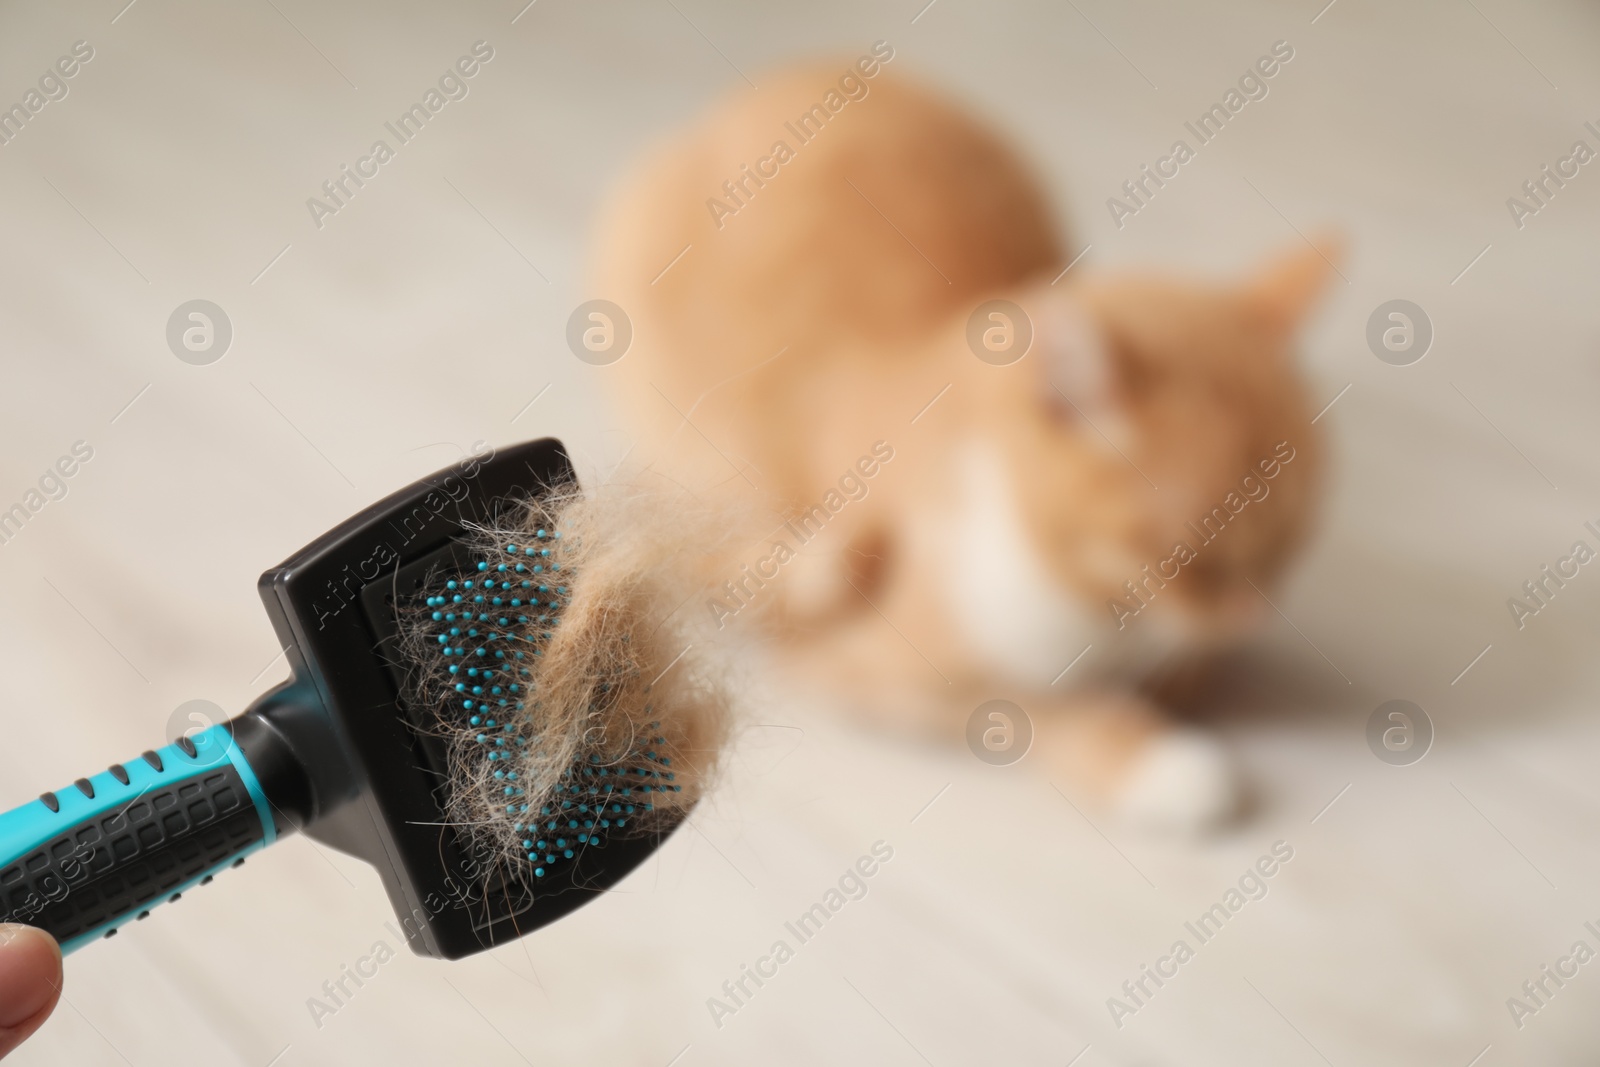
1181	782
1011	611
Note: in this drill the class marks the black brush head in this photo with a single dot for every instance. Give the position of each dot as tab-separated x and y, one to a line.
347	758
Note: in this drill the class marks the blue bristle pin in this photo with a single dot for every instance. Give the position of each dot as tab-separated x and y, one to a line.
488	626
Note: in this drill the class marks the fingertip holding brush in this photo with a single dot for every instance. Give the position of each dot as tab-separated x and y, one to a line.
493	699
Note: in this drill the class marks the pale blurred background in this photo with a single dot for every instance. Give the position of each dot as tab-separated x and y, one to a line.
430	311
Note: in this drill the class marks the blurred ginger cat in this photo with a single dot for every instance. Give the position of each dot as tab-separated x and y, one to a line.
800	271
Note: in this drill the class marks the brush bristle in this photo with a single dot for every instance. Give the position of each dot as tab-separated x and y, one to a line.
563	678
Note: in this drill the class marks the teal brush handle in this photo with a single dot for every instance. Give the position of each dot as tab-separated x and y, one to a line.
83	860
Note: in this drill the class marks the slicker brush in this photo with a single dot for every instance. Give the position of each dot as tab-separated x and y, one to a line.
493	698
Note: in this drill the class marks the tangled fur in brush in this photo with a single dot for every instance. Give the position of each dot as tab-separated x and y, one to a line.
616	679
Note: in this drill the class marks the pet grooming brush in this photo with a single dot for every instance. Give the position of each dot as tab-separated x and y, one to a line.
463	712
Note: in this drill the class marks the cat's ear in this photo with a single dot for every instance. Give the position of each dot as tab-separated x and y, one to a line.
1285	290
1074	370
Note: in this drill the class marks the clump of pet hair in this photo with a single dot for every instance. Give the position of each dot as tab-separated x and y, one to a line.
618	677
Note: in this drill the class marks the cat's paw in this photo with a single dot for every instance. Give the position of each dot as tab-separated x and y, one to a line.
1181	781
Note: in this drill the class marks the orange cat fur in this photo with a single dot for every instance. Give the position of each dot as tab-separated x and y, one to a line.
822	310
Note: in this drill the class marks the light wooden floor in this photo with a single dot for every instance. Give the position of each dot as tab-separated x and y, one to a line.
430	311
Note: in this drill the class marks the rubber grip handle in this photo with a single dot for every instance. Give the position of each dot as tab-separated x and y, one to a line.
81	861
